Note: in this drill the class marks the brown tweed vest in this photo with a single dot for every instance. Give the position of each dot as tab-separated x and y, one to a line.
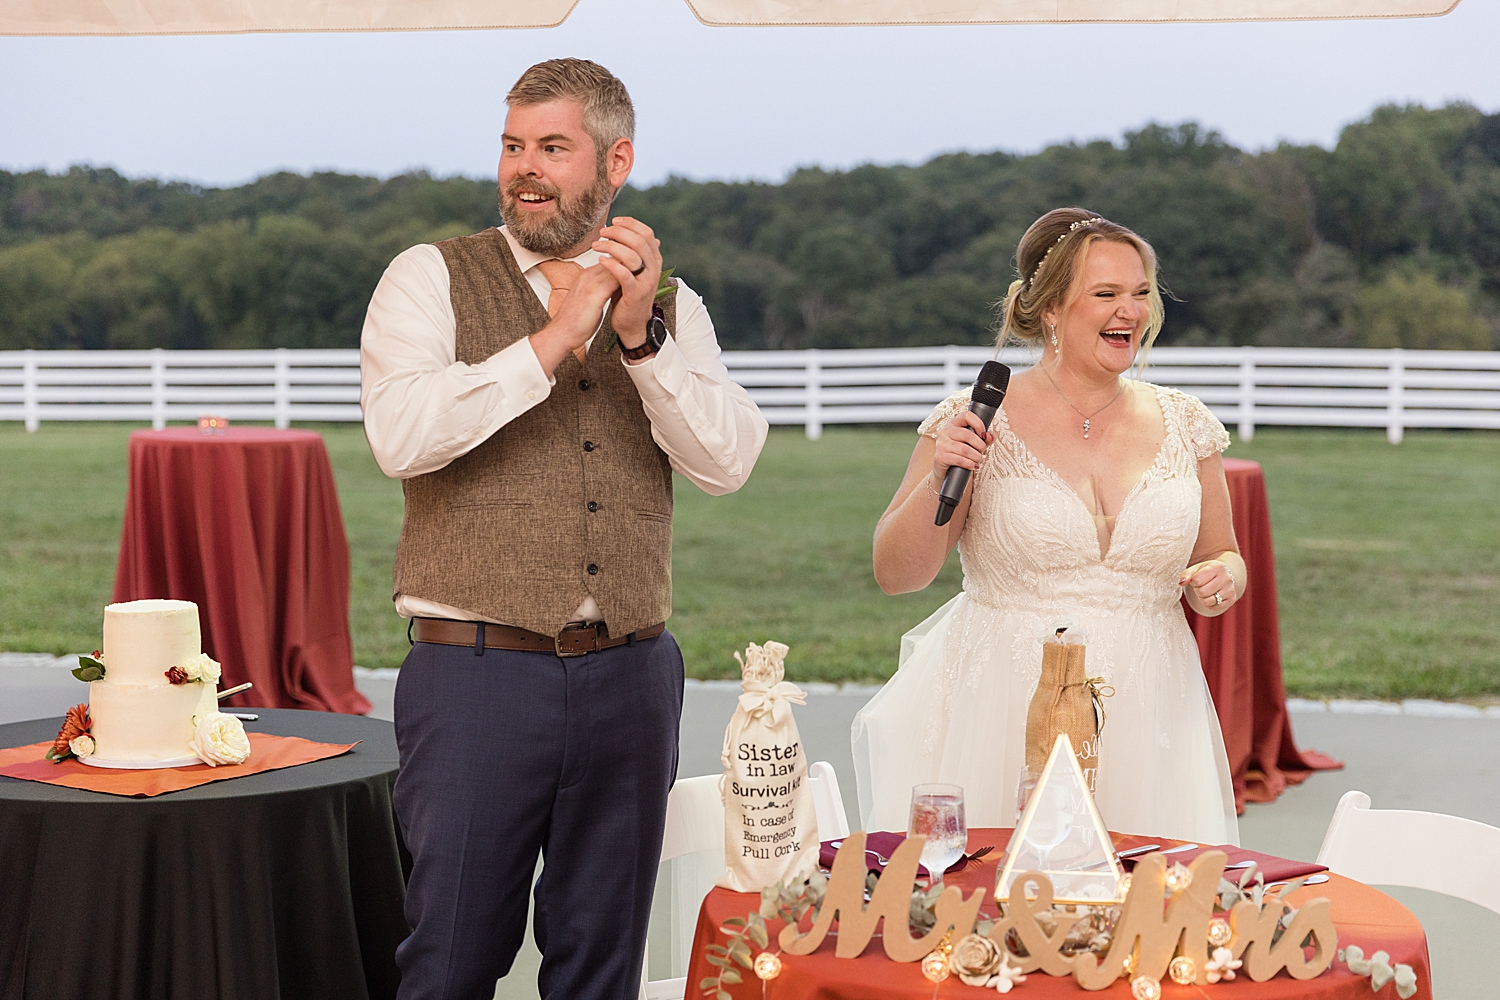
571	498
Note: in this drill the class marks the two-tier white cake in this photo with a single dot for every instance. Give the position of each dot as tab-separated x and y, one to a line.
143	713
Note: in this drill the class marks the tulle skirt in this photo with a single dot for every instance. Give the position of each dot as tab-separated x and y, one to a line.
955	712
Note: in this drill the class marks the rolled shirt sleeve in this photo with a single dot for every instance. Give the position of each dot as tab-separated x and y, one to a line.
423	409
709	427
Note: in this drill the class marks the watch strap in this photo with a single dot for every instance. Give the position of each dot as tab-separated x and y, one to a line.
656	336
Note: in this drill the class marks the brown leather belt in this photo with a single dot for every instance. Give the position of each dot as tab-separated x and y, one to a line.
574	640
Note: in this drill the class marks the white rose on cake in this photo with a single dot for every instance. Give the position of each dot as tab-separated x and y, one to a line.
220	739
201	668
82	746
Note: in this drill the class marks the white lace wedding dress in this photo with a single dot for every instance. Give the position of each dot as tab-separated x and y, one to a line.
955	711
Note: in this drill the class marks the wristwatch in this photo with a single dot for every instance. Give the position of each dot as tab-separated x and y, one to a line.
656	335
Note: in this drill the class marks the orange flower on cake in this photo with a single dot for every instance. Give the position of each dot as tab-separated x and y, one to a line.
75	725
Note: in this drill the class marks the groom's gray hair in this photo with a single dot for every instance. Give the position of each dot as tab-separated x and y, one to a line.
608	114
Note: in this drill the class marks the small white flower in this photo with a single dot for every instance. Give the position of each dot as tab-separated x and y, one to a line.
1007	978
1406	982
201	667
1222	965
1380	971
82	746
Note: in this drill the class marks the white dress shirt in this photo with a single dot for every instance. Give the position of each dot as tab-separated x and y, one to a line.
423	409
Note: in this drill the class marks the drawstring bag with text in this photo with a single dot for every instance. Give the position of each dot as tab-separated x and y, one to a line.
770	828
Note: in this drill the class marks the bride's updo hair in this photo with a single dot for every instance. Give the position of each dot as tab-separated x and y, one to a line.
1048	260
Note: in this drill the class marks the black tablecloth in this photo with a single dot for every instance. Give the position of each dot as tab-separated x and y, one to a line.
285	884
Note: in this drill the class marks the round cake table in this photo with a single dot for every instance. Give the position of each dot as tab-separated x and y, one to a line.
282	884
1363	916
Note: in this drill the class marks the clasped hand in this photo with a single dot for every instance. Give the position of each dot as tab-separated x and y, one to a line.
627	245
631	246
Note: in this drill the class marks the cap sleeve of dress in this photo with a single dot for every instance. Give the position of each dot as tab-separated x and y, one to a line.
1203	429
945	411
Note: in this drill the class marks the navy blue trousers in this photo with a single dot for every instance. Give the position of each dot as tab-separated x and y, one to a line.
511	754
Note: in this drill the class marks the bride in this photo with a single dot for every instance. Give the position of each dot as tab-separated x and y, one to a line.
1097	502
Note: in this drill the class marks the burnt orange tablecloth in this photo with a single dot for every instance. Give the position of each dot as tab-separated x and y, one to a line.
267	753
1241	654
1362	915
246	525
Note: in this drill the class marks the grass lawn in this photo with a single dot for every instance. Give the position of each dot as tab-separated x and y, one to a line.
1388	558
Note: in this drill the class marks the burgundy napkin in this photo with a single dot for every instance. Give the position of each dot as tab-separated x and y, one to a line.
885	844
1274	869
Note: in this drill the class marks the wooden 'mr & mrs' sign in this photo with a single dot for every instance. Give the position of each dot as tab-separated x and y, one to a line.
1151	931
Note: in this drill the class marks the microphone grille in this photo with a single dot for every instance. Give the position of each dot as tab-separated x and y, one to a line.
990	386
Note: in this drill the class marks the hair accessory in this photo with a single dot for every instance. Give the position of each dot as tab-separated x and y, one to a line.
1076	225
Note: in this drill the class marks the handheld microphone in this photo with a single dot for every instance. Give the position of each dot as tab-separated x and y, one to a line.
989	393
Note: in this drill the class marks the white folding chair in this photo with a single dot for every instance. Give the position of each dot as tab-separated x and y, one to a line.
695	831
1423	850
828	804
694	839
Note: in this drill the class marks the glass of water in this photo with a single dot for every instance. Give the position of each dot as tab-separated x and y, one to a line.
937	813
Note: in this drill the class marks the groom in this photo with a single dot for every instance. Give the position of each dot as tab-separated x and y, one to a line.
534	394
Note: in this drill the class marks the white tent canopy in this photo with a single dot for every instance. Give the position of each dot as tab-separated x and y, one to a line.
852	12
173	17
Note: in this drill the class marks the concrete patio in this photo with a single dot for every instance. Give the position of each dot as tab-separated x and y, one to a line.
1420	755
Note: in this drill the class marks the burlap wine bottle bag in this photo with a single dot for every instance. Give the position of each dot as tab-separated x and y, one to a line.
1067	701
770	825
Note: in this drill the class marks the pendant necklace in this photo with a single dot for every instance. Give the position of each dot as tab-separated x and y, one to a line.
1087	417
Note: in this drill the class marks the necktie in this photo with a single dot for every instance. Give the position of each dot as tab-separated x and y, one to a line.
560	274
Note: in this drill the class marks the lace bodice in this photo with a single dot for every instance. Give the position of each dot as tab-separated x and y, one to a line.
1031	544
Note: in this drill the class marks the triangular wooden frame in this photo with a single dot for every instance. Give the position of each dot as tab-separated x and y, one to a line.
1062	755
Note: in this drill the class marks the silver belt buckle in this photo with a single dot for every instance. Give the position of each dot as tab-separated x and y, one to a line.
557	640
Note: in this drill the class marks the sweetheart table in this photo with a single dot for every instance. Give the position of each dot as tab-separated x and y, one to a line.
1363	916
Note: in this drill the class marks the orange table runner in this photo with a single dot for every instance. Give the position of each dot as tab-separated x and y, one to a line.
267	753
1364	916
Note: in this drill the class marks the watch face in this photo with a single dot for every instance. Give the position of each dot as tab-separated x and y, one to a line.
656	333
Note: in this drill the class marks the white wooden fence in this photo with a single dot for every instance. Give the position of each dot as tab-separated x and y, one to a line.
1246	387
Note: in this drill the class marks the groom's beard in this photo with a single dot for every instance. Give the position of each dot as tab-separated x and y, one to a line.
574	219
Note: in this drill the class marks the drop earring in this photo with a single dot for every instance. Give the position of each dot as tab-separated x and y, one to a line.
1052	332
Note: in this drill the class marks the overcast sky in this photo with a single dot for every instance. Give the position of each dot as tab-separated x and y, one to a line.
714	102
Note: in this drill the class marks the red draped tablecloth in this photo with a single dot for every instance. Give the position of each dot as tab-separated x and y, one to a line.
1363	916
246	525
1241	653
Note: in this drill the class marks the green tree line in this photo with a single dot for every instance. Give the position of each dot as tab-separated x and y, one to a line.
1391	238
